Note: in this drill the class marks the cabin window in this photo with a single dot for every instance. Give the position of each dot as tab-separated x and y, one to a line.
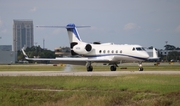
100	51
112	51
116	51
120	51
104	51
108	51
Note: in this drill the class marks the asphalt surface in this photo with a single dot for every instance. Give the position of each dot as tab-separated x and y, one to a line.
100	73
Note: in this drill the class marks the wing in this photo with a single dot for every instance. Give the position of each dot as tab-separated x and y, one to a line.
70	60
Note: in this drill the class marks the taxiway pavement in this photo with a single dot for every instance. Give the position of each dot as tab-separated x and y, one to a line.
94	73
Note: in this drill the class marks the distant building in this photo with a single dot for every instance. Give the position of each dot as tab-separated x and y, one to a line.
166	52
7	56
23	34
65	51
5	47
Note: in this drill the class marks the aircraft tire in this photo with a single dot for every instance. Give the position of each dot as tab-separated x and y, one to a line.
141	69
113	68
90	69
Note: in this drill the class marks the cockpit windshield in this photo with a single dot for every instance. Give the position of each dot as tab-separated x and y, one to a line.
143	49
138	49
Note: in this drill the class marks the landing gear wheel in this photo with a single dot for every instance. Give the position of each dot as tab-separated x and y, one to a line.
90	68
140	66
113	68
141	69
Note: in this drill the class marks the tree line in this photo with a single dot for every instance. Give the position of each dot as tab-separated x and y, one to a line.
173	55
36	52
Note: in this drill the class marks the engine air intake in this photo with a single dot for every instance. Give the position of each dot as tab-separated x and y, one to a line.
88	47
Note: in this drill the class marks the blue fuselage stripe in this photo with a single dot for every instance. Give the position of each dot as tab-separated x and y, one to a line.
94	56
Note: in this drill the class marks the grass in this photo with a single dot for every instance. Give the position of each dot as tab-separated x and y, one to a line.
156	90
135	90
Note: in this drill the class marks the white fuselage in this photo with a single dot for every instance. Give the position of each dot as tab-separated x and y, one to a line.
113	51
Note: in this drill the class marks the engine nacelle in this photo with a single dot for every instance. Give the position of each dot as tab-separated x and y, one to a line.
82	48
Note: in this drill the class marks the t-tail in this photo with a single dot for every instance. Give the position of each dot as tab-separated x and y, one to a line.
74	37
73	34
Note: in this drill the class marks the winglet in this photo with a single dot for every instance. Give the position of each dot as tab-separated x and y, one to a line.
26	57
155	55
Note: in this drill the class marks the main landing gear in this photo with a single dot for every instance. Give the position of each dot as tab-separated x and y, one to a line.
140	66
89	67
112	68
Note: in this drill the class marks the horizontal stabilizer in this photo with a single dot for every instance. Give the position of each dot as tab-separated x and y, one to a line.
72	31
51	26
68	26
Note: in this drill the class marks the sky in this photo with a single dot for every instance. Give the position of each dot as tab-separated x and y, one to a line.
144	22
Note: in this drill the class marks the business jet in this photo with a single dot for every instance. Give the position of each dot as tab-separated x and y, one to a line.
106	53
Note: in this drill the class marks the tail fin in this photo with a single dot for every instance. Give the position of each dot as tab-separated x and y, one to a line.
74	37
73	33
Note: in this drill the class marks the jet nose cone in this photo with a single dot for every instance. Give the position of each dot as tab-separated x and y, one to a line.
146	55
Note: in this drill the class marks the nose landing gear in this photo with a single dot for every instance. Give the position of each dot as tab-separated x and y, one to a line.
89	68
140	67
